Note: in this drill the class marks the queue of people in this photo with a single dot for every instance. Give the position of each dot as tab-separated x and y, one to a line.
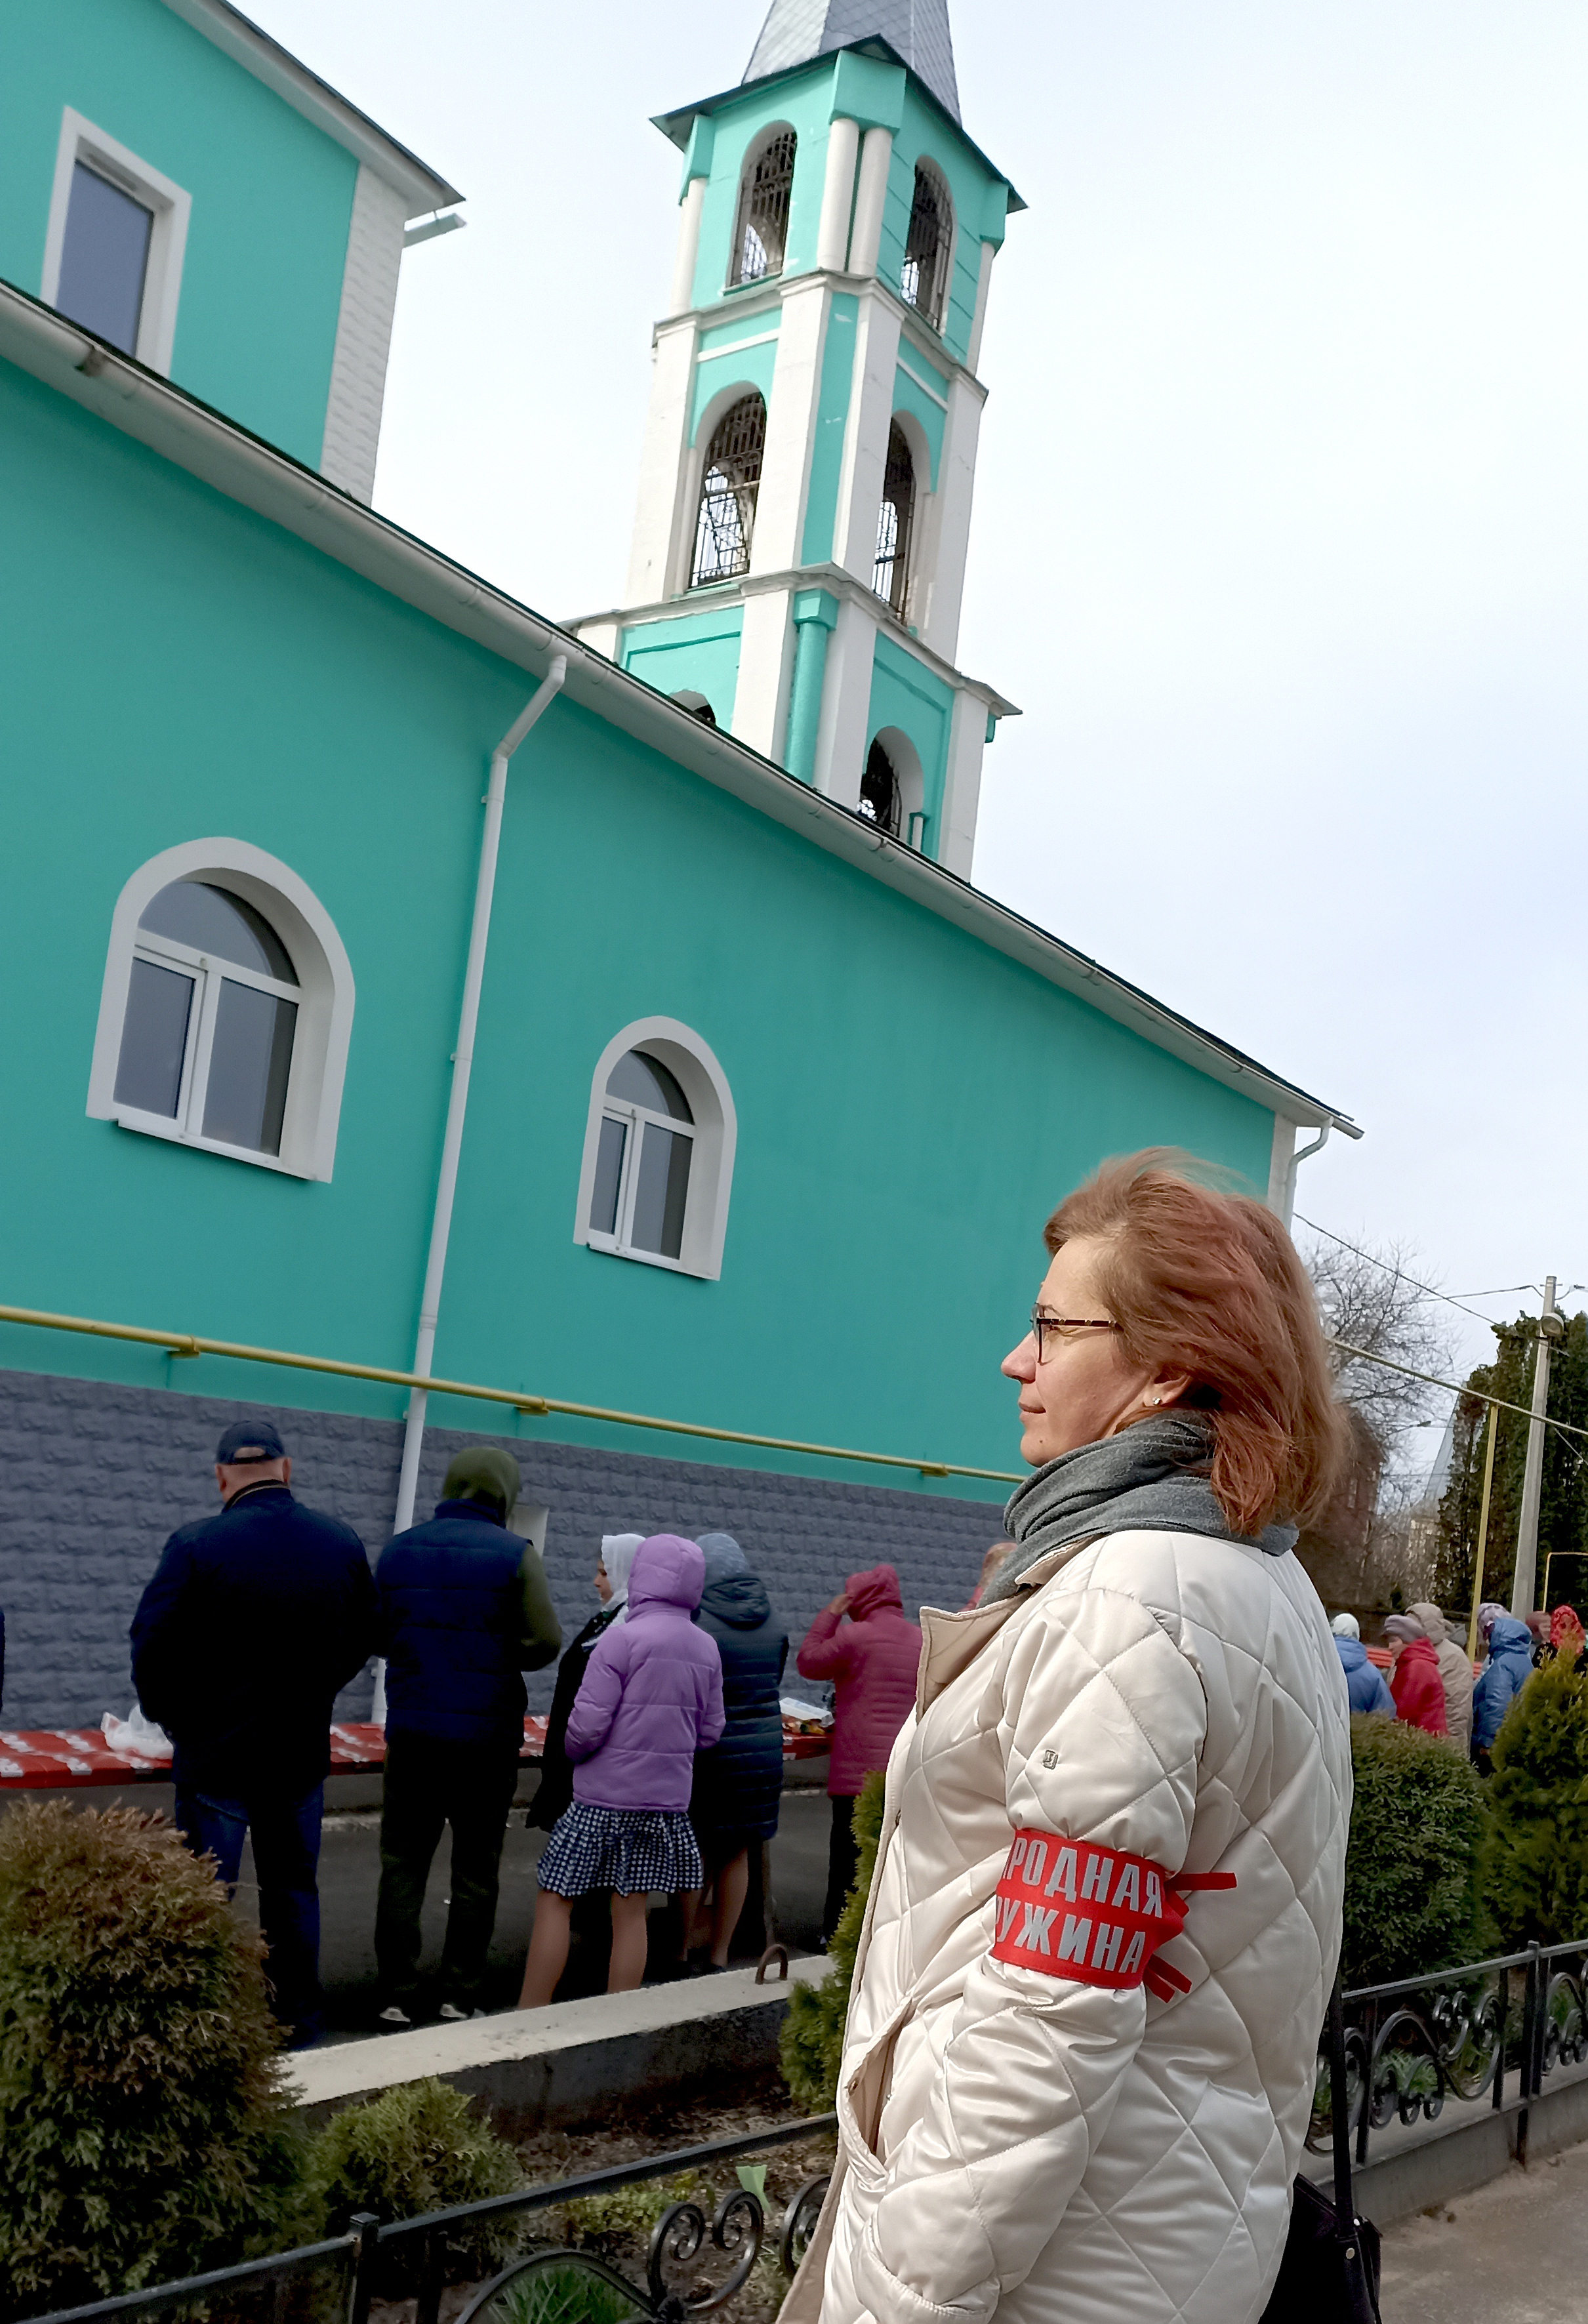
1431	1683
663	1761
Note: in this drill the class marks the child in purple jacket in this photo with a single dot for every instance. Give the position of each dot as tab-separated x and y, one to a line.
651	1697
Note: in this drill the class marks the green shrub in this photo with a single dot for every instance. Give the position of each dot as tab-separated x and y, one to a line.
146	2135
811	2044
416	2148
1536	1872
1412	1899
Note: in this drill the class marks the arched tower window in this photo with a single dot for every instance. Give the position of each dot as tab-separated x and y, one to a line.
879	791
891	572
924	279
762	234
727	521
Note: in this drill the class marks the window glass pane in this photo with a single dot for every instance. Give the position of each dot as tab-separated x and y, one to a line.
659	1198
248	1064
210	919
154	1038
104	259
609	1174
646	1081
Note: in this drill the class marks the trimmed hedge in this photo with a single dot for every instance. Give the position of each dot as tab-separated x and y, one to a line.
417	2147
146	2134
1536	1880
1412	1867
810	2046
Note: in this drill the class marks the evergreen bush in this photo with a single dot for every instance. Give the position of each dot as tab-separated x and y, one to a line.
1537	1861
146	2134
811	2044
417	2147
1412	1867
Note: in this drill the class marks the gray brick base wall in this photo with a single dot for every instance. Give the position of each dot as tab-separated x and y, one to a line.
93	1477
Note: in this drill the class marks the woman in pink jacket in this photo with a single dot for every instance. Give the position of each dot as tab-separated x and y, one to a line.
872	1658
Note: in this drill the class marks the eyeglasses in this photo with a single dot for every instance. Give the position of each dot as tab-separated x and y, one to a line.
1063	1324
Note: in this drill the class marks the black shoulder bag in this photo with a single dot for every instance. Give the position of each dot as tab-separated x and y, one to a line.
1330	2271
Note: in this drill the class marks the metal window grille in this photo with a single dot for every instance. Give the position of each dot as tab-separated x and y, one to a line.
727	521
763	233
879	791
925	273
890	570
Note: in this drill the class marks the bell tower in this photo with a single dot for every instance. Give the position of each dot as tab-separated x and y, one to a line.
804	509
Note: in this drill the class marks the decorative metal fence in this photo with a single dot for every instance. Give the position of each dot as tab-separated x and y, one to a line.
1497	2026
544	2287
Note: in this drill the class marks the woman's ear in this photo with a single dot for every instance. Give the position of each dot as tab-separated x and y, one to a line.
1168	1388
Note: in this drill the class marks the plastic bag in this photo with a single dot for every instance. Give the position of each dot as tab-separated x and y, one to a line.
136	1737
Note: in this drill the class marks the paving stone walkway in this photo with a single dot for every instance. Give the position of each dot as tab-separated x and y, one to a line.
1515	2252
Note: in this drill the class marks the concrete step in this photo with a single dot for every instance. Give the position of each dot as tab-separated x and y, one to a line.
540	2068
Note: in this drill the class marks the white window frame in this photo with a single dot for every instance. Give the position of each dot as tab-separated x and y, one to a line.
80	141
715	1133
324	994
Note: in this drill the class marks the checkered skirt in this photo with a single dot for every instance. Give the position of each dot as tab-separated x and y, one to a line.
629	1849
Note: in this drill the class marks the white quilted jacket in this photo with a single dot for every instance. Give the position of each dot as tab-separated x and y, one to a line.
1017	2144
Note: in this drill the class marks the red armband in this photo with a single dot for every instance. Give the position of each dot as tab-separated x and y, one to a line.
1074	1909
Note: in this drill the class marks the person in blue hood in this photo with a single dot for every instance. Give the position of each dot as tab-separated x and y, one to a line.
1364	1682
1504	1675
739	1783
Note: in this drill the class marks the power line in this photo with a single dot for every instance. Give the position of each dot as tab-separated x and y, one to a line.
1373	1261
1480	1396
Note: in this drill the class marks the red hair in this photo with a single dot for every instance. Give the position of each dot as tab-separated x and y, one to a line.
1209	1283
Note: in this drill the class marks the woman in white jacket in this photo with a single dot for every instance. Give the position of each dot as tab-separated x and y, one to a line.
1056	2105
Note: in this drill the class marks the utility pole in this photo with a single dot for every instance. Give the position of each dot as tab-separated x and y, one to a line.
1551	1327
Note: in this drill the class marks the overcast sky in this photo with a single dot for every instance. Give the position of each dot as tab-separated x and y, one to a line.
1281	516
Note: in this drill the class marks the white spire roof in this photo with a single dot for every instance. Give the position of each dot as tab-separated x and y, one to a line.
796	31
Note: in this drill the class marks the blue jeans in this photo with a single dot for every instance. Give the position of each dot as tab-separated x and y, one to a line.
286	1858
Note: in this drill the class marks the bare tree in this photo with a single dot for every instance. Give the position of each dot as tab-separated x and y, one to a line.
1373	1298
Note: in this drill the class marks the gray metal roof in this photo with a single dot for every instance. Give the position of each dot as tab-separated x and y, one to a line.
796	31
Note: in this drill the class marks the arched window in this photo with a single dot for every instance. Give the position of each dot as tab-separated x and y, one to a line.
728	486
659	1150
761	234
892	786
225	1010
924	279
891	572
879	791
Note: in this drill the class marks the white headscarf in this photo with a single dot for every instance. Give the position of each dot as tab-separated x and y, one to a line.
1346	1626
617	1555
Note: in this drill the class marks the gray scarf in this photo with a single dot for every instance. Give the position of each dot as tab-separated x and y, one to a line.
1151	1477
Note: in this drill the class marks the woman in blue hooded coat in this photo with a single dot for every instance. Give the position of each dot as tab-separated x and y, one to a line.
739	1783
1504	1675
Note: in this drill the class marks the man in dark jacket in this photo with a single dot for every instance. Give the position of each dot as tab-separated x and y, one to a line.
464	1610
253	1621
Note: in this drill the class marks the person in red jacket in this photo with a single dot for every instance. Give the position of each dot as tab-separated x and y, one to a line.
873	1660
1415	1682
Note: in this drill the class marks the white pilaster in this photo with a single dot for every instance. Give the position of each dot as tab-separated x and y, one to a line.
846	702
962	784
831	234
761	697
653	556
876	158
682	295
984	284
601	636
791	424
865	436
944	542
1282	1155
351	435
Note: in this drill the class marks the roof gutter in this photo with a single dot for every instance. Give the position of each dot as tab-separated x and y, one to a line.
190	435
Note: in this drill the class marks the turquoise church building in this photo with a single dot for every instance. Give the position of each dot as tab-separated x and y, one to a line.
602	1017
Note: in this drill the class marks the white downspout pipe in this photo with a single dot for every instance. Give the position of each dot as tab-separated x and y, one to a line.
1297	1159
430	1305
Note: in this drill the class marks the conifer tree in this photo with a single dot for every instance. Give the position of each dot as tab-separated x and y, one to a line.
1537	1870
